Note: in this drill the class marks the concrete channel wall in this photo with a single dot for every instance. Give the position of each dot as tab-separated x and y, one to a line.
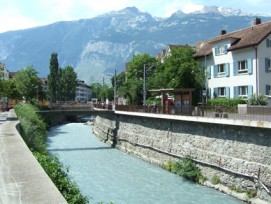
239	155
22	179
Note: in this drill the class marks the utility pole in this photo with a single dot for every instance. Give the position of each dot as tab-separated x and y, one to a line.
144	83
115	89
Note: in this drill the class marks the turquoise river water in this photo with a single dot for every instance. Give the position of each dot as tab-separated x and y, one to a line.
107	174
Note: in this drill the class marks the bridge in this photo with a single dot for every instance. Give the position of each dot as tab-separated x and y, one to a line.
72	112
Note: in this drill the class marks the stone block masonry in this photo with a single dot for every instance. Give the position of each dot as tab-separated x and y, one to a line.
239	155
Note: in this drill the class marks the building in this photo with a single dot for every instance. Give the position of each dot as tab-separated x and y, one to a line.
83	92
4	74
167	52
237	63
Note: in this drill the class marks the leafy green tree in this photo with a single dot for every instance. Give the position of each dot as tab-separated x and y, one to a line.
181	68
53	78
27	83
67	83
133	86
96	88
9	89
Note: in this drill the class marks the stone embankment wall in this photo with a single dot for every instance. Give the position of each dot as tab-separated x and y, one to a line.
239	156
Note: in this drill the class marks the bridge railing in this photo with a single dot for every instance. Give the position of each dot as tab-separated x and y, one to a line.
74	106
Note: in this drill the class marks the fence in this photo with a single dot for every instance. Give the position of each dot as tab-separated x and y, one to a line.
255	113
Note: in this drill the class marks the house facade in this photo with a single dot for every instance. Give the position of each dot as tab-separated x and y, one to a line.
83	92
238	63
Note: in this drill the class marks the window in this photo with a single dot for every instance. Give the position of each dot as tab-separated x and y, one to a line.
219	50
268	43
222	92
243	91
243	67
267	90
221	69
267	65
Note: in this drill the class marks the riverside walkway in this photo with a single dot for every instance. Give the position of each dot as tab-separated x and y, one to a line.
22	179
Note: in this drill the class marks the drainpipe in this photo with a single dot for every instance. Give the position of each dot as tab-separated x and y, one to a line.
257	71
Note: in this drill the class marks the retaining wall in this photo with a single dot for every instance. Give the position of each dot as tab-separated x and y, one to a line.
239	156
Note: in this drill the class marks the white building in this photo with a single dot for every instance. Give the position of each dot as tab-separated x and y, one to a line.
238	63
83	92
4	74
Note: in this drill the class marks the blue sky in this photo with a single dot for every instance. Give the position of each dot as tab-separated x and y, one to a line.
20	14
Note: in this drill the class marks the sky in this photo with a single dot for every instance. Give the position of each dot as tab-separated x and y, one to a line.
22	14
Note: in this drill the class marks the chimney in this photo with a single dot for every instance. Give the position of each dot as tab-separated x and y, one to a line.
223	32
257	21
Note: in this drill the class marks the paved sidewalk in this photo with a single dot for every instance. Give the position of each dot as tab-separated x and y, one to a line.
22	179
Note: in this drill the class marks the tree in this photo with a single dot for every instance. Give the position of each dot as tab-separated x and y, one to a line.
9	89
180	68
53	78
27	83
67	83
133	88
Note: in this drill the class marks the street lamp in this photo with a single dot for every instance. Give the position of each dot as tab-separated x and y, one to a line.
144	83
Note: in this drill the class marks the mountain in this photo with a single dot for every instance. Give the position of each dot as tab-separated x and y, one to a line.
96	47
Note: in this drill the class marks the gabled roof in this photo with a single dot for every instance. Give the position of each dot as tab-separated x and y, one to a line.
244	38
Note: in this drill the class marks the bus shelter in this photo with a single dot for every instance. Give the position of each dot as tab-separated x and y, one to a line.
181	102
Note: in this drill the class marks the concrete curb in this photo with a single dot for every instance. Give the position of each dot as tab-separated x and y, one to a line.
22	179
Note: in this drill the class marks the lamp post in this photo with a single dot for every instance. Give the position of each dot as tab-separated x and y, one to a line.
144	83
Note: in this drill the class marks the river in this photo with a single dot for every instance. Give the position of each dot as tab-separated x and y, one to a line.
107	174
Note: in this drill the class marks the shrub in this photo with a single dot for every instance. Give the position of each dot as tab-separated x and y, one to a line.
215	180
33	131
225	102
32	127
236	189
59	175
188	169
258	100
251	193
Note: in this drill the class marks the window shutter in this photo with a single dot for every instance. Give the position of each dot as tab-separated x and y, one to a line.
228	92
215	92
225	49
267	89
216	50
267	43
209	93
267	64
250	91
208	72
250	66
215	71
227	66
235	92
235	68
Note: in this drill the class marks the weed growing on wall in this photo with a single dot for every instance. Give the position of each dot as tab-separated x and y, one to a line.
186	168
215	180
33	131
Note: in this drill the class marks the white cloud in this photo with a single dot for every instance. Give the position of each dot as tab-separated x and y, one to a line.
190	7
12	19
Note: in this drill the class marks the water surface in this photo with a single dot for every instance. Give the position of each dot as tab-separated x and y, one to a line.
106	174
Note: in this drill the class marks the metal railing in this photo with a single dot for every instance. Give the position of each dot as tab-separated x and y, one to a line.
253	113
